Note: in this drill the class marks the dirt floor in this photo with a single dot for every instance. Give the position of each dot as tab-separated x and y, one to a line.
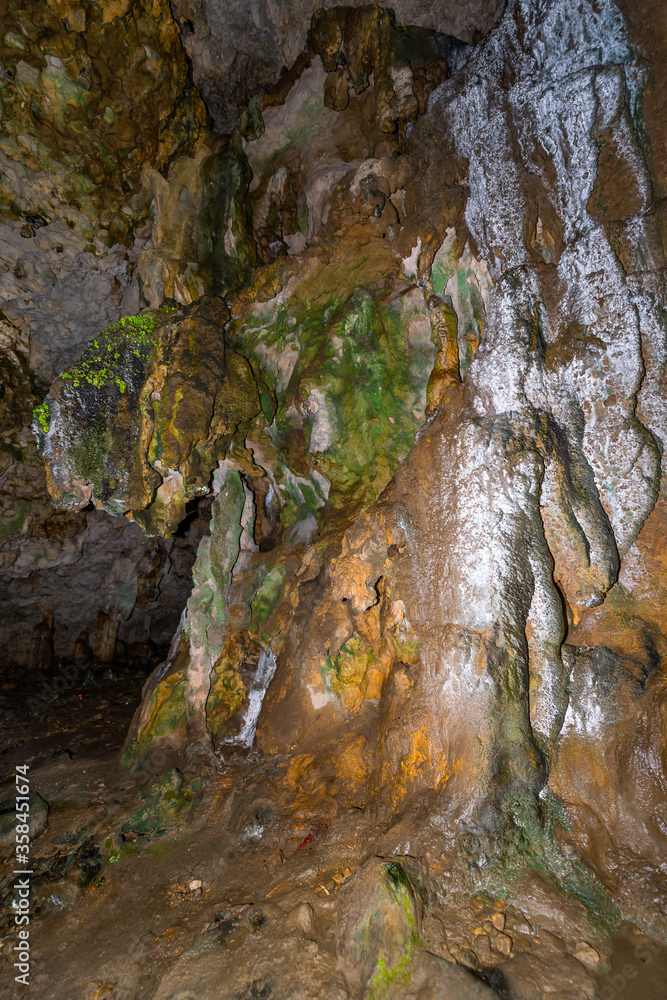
205	885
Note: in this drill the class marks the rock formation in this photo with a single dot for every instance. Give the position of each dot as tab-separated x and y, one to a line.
370	393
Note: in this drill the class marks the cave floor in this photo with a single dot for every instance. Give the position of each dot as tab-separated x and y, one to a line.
213	888
90	716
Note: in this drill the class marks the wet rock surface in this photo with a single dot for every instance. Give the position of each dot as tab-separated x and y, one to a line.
333	507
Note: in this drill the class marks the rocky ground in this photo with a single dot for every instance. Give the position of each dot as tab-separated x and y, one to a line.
333	366
206	886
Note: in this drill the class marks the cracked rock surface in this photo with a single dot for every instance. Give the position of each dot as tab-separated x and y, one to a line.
357	460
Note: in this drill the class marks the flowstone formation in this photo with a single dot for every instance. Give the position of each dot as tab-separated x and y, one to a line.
403	351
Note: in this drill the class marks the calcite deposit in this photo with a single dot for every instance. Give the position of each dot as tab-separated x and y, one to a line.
357	458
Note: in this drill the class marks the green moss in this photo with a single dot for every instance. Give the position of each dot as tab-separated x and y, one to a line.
387	975
100	418
131	337
349	667
401	892
13	526
42	416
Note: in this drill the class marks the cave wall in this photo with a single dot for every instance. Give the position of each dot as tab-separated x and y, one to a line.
92	96
399	338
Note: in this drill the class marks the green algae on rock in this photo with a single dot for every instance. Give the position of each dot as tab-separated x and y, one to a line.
348	358
91	105
379	929
129	433
94	417
308	458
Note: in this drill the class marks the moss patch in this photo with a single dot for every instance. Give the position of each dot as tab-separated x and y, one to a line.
164	805
132	337
41	414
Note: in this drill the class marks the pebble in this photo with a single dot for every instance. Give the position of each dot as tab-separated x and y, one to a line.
301	918
99	991
503	944
483	949
586	954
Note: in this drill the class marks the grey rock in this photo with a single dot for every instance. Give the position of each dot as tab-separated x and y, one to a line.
238	49
37	817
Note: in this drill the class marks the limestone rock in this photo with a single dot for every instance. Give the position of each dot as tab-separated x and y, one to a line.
98	105
378	948
379	926
404	369
239	51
